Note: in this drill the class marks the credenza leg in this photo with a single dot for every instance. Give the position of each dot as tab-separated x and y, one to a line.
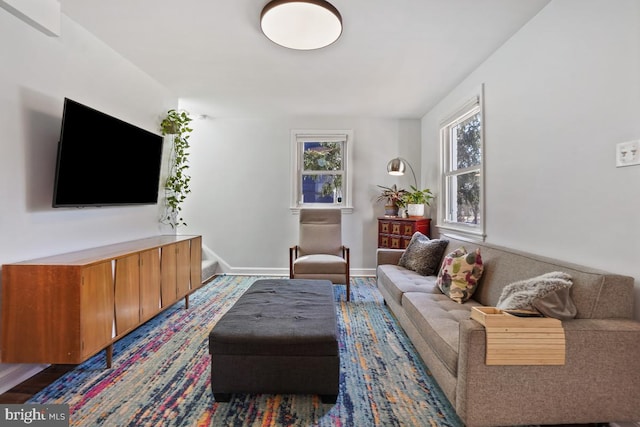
109	352
186	302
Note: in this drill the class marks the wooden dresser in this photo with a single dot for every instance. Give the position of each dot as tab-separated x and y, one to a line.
65	308
395	233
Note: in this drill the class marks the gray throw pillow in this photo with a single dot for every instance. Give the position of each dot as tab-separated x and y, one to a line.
423	255
548	293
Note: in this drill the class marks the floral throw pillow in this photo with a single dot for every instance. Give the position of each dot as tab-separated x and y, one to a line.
460	273
423	255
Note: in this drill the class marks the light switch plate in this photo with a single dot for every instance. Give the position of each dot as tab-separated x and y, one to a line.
628	153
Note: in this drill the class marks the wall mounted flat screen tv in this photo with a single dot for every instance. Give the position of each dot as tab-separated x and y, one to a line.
105	161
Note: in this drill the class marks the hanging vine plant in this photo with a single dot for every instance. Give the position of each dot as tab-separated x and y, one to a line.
176	125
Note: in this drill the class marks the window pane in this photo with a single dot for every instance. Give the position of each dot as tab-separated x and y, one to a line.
464	198
322	156
321	188
466	149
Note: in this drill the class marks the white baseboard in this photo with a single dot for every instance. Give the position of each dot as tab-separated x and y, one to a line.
225	268
11	375
284	272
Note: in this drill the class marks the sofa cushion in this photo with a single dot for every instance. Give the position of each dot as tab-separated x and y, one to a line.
437	318
423	255
459	275
398	280
320	263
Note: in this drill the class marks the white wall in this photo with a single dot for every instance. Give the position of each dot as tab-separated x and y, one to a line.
36	73
240	170
558	97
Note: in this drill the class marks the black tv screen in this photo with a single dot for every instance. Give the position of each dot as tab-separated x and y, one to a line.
105	161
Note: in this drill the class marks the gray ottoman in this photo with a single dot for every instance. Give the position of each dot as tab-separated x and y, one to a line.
280	337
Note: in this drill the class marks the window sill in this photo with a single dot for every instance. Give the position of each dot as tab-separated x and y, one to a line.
295	210
465	231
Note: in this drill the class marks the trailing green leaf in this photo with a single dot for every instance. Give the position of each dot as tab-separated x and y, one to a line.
176	185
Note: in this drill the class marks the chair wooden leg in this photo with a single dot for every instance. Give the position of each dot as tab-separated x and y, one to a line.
347	258
348	283
293	254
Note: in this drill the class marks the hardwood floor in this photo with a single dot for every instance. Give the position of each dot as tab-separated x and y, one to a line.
25	390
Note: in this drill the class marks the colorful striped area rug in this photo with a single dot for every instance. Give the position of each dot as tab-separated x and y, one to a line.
161	373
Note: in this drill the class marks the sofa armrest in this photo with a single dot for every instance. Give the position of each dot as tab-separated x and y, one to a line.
388	256
600	379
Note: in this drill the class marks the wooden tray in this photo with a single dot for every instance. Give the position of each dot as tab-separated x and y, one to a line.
513	340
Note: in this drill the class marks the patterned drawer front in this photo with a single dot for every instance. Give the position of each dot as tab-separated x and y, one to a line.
385	227
405	242
395	227
407	229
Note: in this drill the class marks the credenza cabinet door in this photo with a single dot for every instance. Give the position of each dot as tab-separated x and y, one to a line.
41	314
176	272
150	278
169	275
183	268
127	293
96	308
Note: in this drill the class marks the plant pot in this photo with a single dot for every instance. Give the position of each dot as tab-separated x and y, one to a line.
391	210
415	210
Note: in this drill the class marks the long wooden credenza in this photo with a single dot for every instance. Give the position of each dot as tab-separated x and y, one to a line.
63	309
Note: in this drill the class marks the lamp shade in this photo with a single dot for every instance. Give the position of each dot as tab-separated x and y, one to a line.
301	24
396	166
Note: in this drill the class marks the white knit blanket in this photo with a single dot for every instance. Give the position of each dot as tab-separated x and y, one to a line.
521	295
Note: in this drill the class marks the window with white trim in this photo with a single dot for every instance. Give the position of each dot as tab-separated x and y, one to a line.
320	168
461	136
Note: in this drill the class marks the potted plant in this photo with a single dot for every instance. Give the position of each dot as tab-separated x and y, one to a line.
416	199
176	125
393	198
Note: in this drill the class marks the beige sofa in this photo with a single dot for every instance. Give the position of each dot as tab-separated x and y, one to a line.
599	382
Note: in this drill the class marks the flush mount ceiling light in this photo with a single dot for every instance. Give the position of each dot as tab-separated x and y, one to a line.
301	24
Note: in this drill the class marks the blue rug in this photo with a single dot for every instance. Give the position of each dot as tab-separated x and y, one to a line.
161	373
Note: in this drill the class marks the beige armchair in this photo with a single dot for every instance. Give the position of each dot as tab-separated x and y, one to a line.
320	253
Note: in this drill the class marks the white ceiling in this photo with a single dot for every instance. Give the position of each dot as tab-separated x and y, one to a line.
395	58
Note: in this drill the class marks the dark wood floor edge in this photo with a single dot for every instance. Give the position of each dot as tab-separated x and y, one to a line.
33	385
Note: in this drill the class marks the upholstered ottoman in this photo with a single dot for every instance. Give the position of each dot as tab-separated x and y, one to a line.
280	337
